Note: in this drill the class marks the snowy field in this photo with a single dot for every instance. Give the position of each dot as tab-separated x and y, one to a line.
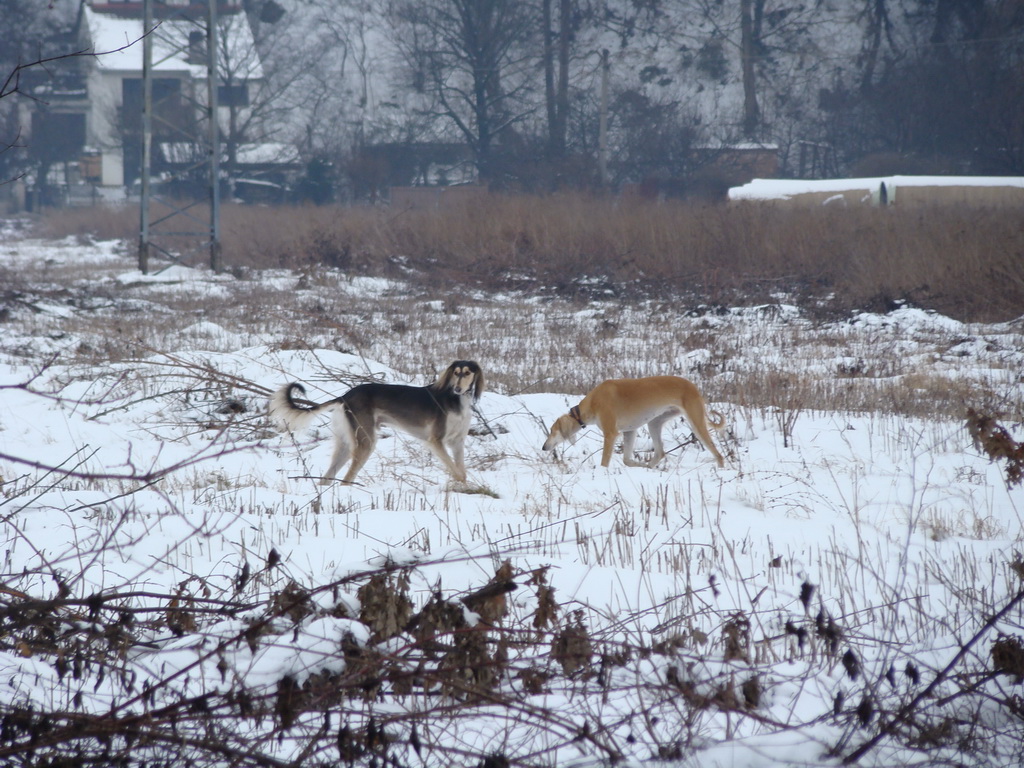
789	609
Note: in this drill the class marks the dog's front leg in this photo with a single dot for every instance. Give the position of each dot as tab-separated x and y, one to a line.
459	456
455	470
610	436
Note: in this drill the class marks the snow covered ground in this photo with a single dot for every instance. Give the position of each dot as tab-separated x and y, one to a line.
780	611
876	190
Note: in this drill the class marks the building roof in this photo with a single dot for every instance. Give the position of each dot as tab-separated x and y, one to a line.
122	37
265	153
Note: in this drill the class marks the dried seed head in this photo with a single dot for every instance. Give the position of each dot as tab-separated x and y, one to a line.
851	664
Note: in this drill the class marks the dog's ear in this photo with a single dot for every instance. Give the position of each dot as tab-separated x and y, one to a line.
564	429
444	381
478	380
571	428
554	437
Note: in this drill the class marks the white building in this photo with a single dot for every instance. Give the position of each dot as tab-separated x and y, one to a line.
86	134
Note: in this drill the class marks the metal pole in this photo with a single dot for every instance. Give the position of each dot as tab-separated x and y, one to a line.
602	130
211	79
147	134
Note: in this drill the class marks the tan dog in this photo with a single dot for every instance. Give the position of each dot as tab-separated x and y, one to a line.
625	405
438	414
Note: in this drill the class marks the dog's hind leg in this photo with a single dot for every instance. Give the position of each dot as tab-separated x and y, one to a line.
365	441
628	438
359	436
654	427
338	459
342	430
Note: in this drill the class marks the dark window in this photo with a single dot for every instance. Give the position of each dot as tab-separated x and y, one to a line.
169	110
57	136
196	47
233	95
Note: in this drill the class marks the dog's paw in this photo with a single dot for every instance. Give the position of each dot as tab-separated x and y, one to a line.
472	489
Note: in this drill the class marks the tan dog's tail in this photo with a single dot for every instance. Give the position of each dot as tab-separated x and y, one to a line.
715	418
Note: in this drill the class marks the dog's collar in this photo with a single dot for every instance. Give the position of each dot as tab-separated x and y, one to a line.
575	413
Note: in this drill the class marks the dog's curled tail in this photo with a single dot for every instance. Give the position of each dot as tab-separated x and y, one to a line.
715	418
288	414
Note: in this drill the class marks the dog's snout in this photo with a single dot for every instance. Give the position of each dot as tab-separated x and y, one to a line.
462	380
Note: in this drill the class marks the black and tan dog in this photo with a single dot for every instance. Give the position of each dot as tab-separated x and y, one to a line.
438	414
625	405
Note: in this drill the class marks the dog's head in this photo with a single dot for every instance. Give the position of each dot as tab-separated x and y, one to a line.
566	428
463	376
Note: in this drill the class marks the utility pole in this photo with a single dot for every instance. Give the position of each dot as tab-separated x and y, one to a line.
147	135
602	124
167	225
212	46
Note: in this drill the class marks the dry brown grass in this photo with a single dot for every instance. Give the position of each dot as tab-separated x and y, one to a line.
963	262
100	222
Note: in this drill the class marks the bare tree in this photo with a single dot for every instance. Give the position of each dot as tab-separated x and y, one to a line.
751	13
258	80
32	44
471	58
940	94
878	30
557	44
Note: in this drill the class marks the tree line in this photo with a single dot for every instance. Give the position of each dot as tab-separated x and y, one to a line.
546	94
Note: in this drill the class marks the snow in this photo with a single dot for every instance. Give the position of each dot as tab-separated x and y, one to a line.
783	189
246	154
900	524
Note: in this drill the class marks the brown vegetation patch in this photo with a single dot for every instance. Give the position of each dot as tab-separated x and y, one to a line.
963	262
